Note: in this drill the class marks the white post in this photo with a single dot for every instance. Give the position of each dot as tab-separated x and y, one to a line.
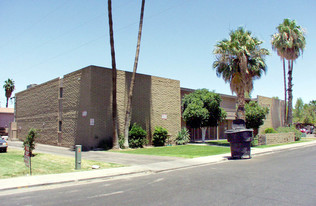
203	133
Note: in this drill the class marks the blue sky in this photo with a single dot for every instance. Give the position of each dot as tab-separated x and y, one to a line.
41	40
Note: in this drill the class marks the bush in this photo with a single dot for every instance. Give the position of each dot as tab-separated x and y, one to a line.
159	137
30	139
269	130
183	137
121	141
254	141
137	136
291	129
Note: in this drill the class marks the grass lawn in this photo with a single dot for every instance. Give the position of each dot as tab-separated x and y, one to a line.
12	164
222	142
186	151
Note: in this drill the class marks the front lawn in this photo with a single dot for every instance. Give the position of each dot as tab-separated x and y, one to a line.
186	151
12	164
222	142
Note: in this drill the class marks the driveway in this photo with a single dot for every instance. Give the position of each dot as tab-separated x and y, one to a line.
102	156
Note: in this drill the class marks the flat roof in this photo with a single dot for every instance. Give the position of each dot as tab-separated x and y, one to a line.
7	110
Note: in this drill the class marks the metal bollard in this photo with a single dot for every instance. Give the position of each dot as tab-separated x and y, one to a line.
78	157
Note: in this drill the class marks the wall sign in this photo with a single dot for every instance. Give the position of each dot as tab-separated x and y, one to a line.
164	116
84	113
91	122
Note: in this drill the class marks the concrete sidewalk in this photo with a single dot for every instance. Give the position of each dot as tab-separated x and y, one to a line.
160	166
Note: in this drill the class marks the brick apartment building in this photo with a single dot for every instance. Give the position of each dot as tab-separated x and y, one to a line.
76	108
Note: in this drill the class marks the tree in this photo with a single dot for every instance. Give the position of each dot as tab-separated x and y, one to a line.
289	43
304	113
274	47
201	109
309	115
255	114
298	111
114	80
9	88
239	61
30	140
128	115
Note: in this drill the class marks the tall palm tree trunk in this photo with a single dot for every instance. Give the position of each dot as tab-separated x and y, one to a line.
241	105
128	115
290	85
7	104
285	93
8	94
114	74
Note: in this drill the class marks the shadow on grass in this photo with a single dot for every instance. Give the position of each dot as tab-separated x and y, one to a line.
219	143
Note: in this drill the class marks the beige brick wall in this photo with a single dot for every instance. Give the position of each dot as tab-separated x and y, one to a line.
87	95
37	108
274	118
276	138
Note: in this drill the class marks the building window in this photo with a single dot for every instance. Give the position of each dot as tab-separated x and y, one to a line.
60	92
59	126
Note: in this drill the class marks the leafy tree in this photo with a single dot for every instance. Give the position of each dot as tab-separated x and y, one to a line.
289	43
304	113
298	111
114	80
239	61
255	114
309	114
128	115
201	109
9	88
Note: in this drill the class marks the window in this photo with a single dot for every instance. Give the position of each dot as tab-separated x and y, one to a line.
60	92
60	126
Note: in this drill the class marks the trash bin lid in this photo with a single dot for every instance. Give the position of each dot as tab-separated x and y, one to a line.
231	131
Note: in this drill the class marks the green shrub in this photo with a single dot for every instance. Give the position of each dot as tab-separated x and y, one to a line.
30	139
254	141
137	136
121	141
159	137
291	129
183	137
269	130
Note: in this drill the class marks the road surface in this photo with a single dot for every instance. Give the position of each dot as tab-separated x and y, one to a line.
284	178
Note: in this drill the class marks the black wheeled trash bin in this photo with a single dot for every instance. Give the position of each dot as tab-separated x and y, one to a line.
240	140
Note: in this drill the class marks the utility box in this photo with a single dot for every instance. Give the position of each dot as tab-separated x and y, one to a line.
78	157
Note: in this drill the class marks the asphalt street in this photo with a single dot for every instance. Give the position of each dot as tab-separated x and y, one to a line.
284	178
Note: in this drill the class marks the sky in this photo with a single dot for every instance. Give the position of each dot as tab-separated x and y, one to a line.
42	40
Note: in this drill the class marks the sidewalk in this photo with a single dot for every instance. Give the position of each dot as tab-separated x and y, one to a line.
160	166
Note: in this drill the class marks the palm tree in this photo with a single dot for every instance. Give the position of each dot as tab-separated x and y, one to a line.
114	80
130	95
9	88
239	61
289	43
275	38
